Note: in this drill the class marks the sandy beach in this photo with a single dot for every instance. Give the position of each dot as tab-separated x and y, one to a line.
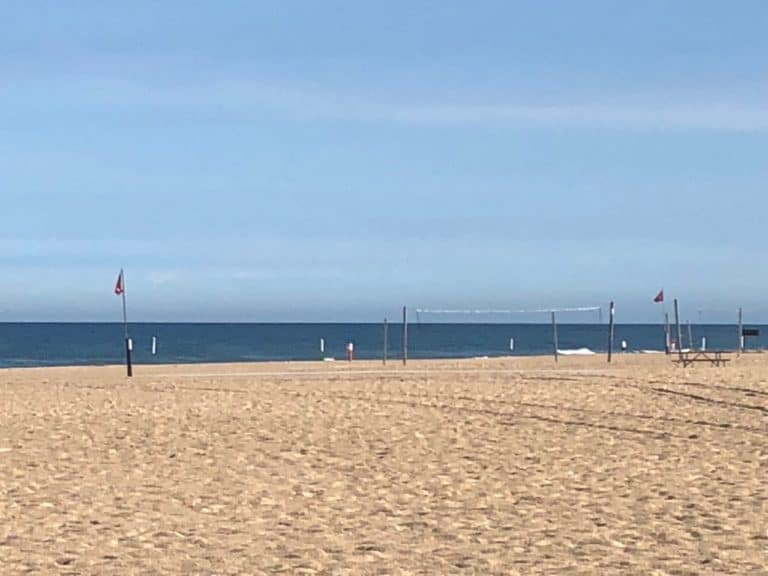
501	466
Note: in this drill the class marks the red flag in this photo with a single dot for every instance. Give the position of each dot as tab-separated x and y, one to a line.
659	296
119	289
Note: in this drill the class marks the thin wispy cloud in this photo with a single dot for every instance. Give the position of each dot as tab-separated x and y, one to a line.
662	112
670	115
742	111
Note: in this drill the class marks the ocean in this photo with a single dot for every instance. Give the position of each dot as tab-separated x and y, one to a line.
61	344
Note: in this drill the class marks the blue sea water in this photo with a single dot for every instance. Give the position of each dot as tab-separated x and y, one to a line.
52	344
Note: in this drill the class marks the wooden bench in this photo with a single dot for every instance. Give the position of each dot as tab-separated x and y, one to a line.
714	357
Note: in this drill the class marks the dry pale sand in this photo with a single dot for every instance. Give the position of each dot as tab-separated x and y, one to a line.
508	466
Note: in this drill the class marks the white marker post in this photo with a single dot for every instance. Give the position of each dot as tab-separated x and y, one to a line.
154	345
511	344
322	345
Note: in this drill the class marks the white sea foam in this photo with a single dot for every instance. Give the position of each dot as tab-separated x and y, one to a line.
576	352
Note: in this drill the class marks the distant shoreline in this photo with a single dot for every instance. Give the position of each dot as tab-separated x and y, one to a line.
411	322
394	365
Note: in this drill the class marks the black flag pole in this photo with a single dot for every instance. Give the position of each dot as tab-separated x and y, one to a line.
120	288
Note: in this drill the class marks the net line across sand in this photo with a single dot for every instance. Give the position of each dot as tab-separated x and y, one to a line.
366	372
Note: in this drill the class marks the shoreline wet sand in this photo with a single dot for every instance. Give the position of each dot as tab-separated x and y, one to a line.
493	466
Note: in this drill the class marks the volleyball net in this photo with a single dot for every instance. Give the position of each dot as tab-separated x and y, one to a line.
451	332
507	315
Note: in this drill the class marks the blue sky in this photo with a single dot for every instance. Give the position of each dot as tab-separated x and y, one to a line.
336	160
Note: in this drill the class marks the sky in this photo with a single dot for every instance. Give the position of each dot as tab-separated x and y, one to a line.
334	161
